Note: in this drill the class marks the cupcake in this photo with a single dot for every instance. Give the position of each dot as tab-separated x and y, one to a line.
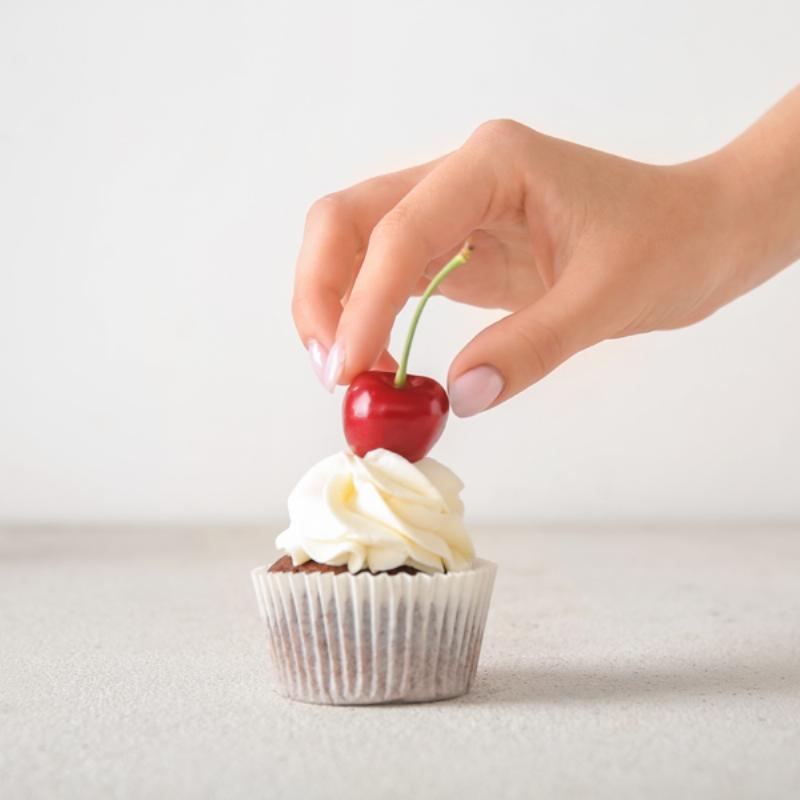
379	596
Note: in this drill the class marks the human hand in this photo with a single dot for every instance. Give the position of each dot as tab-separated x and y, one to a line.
579	245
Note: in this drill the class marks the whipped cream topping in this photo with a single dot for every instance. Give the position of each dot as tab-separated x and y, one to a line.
378	512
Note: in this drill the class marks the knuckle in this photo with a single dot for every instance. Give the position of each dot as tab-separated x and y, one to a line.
542	346
397	223
400	231
497	131
330	209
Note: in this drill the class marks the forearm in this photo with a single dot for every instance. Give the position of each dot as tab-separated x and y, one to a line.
762	169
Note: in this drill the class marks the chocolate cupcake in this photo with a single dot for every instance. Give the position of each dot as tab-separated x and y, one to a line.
379	597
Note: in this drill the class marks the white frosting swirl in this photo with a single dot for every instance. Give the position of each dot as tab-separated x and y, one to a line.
378	512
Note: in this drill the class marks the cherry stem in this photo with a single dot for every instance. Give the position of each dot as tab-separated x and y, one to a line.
456	261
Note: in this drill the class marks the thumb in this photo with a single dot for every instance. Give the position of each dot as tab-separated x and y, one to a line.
521	349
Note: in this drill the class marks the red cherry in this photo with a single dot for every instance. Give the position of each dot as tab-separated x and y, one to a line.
406	420
394	410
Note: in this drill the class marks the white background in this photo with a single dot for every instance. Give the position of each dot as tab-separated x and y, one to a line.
156	162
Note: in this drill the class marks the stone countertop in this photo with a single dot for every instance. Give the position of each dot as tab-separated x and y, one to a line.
656	662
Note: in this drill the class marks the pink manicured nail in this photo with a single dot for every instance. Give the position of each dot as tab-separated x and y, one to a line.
333	367
475	391
318	355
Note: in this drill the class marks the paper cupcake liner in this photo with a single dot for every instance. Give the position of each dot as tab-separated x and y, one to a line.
357	639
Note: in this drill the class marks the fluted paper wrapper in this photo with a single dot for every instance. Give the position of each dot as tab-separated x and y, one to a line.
358	639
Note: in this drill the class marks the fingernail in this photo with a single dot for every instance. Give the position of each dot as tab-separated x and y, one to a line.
318	355
333	367
475	391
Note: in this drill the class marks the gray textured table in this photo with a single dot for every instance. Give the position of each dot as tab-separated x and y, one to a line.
654	662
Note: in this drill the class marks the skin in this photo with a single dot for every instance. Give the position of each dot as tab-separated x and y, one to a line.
579	245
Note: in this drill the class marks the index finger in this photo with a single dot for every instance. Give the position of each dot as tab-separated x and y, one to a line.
334	240
439	213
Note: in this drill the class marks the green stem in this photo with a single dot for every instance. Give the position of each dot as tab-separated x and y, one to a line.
457	261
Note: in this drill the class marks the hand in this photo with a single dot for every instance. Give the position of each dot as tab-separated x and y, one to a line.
579	245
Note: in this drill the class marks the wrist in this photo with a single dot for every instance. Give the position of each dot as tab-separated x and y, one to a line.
719	237
740	235
761	172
